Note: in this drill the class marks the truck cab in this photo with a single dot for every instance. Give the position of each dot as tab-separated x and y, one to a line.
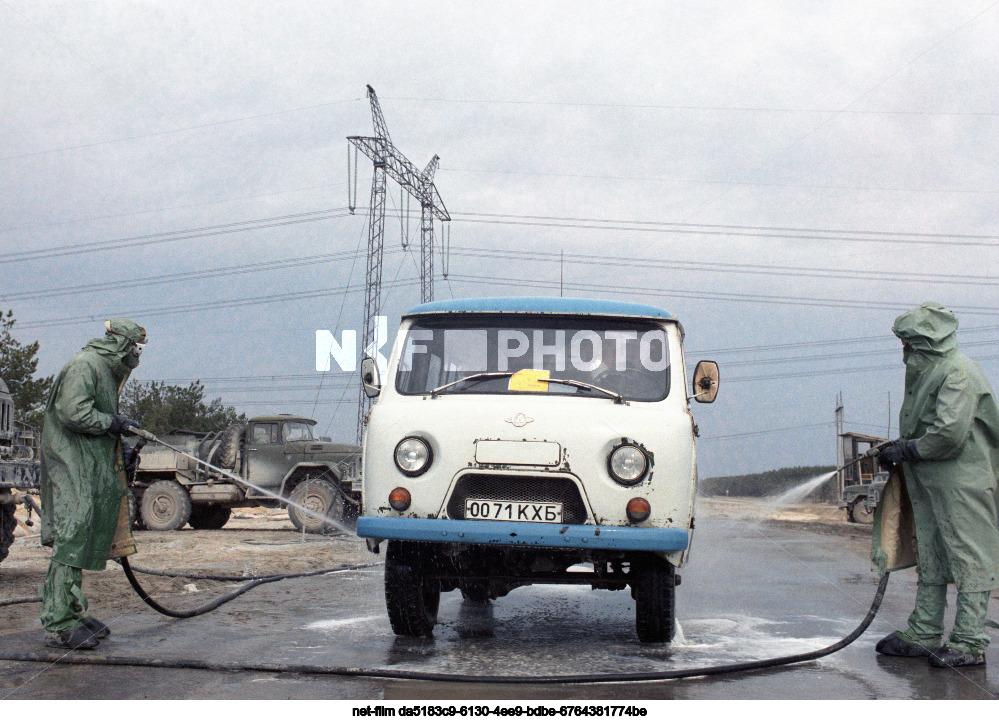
518	440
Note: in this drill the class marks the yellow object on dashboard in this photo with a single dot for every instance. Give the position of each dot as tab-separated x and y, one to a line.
529	380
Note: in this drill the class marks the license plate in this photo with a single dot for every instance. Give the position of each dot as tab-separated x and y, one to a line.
484	510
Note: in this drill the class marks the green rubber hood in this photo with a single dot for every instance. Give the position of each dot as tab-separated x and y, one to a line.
930	328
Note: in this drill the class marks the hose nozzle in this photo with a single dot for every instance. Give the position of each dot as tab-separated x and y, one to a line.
136	431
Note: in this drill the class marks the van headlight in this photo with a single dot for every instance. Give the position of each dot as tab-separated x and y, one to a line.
413	456
627	464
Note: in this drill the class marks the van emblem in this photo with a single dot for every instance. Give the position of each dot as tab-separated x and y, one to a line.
520	420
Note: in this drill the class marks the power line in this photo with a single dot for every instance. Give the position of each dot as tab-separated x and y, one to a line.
171	131
123	283
766	432
174	236
197	307
708	108
149	211
744	268
740	183
718	296
850	236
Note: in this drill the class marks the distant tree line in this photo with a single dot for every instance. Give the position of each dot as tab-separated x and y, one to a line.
160	408
769	483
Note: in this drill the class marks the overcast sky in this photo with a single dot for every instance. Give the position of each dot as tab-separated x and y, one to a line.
786	178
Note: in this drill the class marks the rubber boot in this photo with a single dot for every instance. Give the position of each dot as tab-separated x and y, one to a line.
896	644
77	638
950	657
98	628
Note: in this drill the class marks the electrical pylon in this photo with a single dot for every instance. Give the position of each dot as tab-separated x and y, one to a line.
389	162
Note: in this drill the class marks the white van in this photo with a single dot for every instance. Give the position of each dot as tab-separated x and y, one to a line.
531	440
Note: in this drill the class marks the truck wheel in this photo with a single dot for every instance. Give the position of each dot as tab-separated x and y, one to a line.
412	594
7	526
228	448
654	589
165	506
209	518
323	499
857	511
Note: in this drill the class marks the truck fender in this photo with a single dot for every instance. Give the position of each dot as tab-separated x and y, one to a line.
313	468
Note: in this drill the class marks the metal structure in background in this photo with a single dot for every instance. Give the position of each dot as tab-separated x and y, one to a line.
390	163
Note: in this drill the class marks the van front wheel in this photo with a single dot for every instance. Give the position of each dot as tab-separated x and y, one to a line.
654	589
412	591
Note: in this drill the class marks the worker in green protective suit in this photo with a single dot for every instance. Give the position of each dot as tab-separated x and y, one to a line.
85	515
949	453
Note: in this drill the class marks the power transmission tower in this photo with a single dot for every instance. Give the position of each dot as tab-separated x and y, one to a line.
389	162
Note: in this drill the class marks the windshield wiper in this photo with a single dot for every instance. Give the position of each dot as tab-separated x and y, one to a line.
618	398
473	377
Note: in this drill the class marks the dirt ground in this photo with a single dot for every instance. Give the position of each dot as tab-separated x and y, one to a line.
255	542
259	542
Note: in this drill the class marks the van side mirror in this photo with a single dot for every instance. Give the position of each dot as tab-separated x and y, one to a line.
370	381
705	382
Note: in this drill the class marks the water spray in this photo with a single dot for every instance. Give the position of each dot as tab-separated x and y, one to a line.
145	436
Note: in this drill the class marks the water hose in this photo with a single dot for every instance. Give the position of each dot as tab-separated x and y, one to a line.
222	600
396	674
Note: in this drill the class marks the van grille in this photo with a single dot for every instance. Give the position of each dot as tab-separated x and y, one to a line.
537	489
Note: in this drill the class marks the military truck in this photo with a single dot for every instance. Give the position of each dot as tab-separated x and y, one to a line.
18	467
271	454
860	499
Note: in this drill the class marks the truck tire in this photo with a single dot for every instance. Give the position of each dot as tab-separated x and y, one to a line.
857	511
654	589
7	526
209	518
412	594
229	447
321	496
166	506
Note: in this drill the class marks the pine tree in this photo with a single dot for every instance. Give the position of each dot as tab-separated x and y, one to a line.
18	364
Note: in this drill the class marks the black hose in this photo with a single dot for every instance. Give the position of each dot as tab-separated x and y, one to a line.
144	595
15	601
309	669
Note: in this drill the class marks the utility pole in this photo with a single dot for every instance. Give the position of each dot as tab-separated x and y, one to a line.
840	459
390	163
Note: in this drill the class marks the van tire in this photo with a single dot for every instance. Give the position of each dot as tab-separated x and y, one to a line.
166	506
412	593
654	589
229	447
319	495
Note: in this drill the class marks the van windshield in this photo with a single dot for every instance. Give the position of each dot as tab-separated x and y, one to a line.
626	357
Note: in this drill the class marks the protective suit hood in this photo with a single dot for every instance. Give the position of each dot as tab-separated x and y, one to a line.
118	341
930	328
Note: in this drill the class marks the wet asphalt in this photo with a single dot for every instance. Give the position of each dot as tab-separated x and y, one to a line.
749	591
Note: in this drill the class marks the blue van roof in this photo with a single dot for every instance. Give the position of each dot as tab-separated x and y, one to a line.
527	304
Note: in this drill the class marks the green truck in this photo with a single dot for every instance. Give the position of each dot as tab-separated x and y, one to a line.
271	455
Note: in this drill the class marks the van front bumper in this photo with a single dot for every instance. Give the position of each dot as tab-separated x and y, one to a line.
511	533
